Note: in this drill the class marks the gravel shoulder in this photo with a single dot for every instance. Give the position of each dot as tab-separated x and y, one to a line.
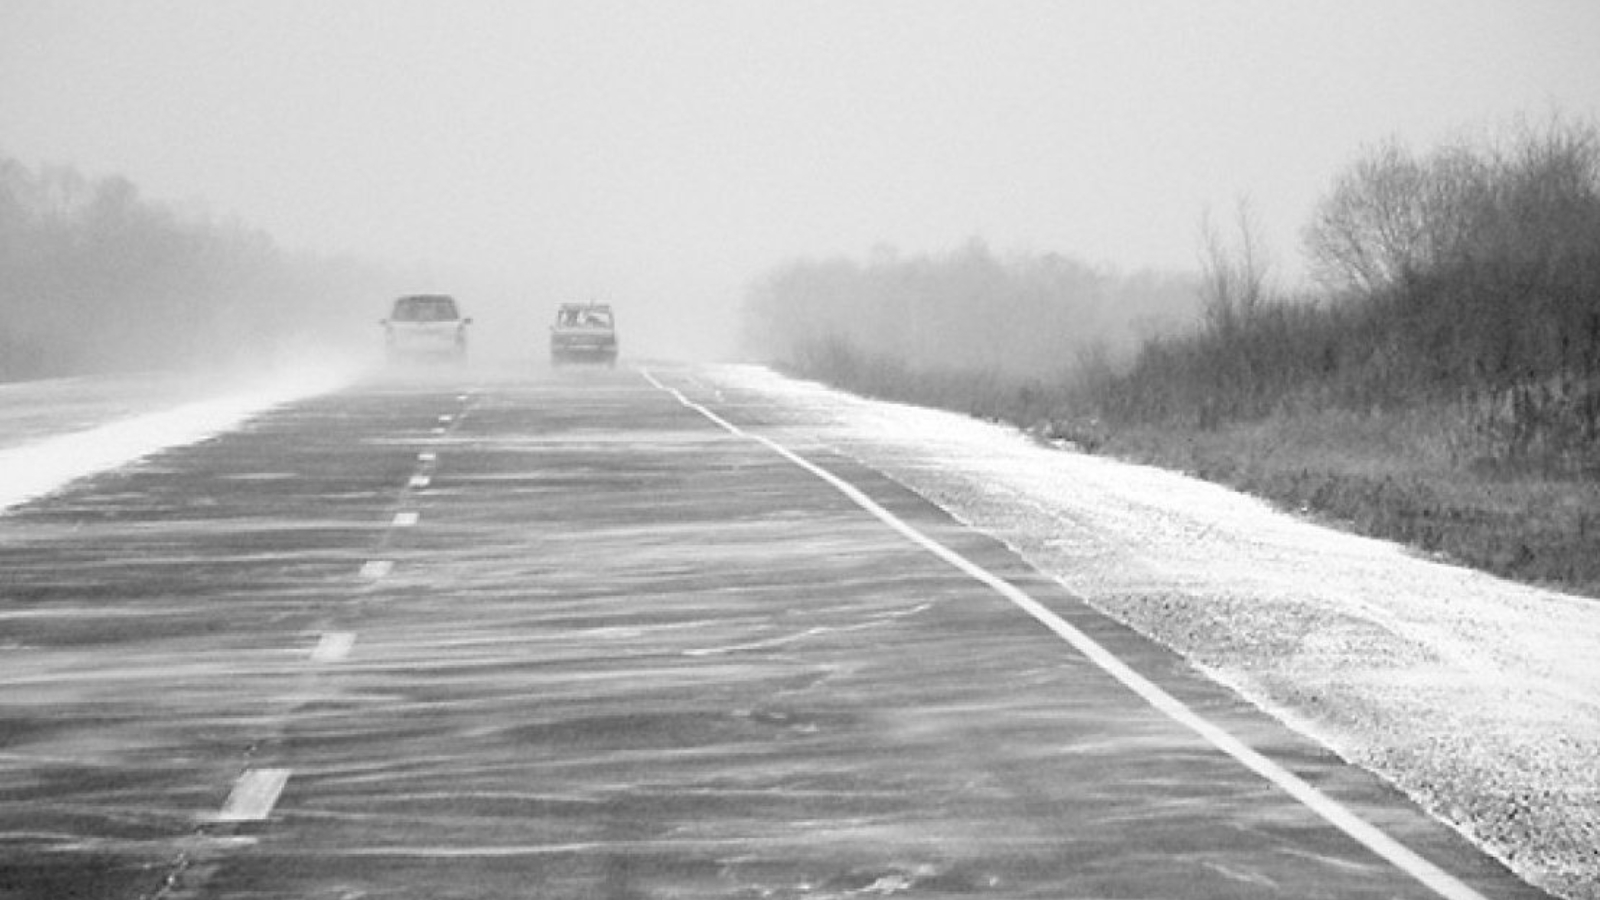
1478	697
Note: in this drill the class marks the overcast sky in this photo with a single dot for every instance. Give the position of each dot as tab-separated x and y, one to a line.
656	153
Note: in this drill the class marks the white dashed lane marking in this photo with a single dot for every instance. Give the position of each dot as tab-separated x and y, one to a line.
257	791
254	795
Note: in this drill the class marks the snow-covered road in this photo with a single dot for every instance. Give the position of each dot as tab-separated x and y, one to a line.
576	634
1476	696
53	432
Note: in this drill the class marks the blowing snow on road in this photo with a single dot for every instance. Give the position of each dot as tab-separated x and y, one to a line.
58	431
713	632
1474	695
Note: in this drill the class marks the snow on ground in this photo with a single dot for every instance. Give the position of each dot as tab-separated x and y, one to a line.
1478	697
33	410
58	431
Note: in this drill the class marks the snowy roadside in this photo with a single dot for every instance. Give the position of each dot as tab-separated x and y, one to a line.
63	430
1478	697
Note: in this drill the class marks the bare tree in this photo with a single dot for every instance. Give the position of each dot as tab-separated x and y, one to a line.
1233	275
1369	232
1392	216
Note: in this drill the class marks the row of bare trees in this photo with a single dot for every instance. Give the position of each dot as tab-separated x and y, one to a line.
94	278
1394	216
963	316
1484	261
1468	275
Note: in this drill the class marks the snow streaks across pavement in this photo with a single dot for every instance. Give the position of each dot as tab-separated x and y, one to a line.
52	432
1475	696
611	650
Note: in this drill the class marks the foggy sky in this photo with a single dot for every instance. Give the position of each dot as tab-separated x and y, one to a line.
660	154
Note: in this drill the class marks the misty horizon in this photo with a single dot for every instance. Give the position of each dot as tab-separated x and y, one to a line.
668	158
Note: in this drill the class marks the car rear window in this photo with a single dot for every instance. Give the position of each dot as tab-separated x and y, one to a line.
425	309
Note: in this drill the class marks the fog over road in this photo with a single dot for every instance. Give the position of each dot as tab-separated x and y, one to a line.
586	634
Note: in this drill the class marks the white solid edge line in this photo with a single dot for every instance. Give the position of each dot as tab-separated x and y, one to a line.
1436	879
254	795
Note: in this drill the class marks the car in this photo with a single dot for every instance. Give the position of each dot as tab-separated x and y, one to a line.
426	327
584	332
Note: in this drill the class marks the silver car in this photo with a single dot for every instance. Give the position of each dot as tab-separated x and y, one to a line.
426	327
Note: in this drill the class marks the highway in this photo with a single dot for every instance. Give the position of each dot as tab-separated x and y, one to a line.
617	634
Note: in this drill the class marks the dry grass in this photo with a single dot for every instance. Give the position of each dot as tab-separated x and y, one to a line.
1404	476
1437	477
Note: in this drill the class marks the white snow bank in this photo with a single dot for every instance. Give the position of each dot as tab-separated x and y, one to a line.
45	464
1478	697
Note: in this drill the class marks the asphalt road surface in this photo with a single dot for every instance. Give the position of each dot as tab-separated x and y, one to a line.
579	636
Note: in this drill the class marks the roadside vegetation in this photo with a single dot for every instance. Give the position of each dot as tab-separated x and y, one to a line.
1440	386
967	330
95	278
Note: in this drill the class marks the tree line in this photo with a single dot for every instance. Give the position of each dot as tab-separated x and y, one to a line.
1465	276
931	323
95	278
